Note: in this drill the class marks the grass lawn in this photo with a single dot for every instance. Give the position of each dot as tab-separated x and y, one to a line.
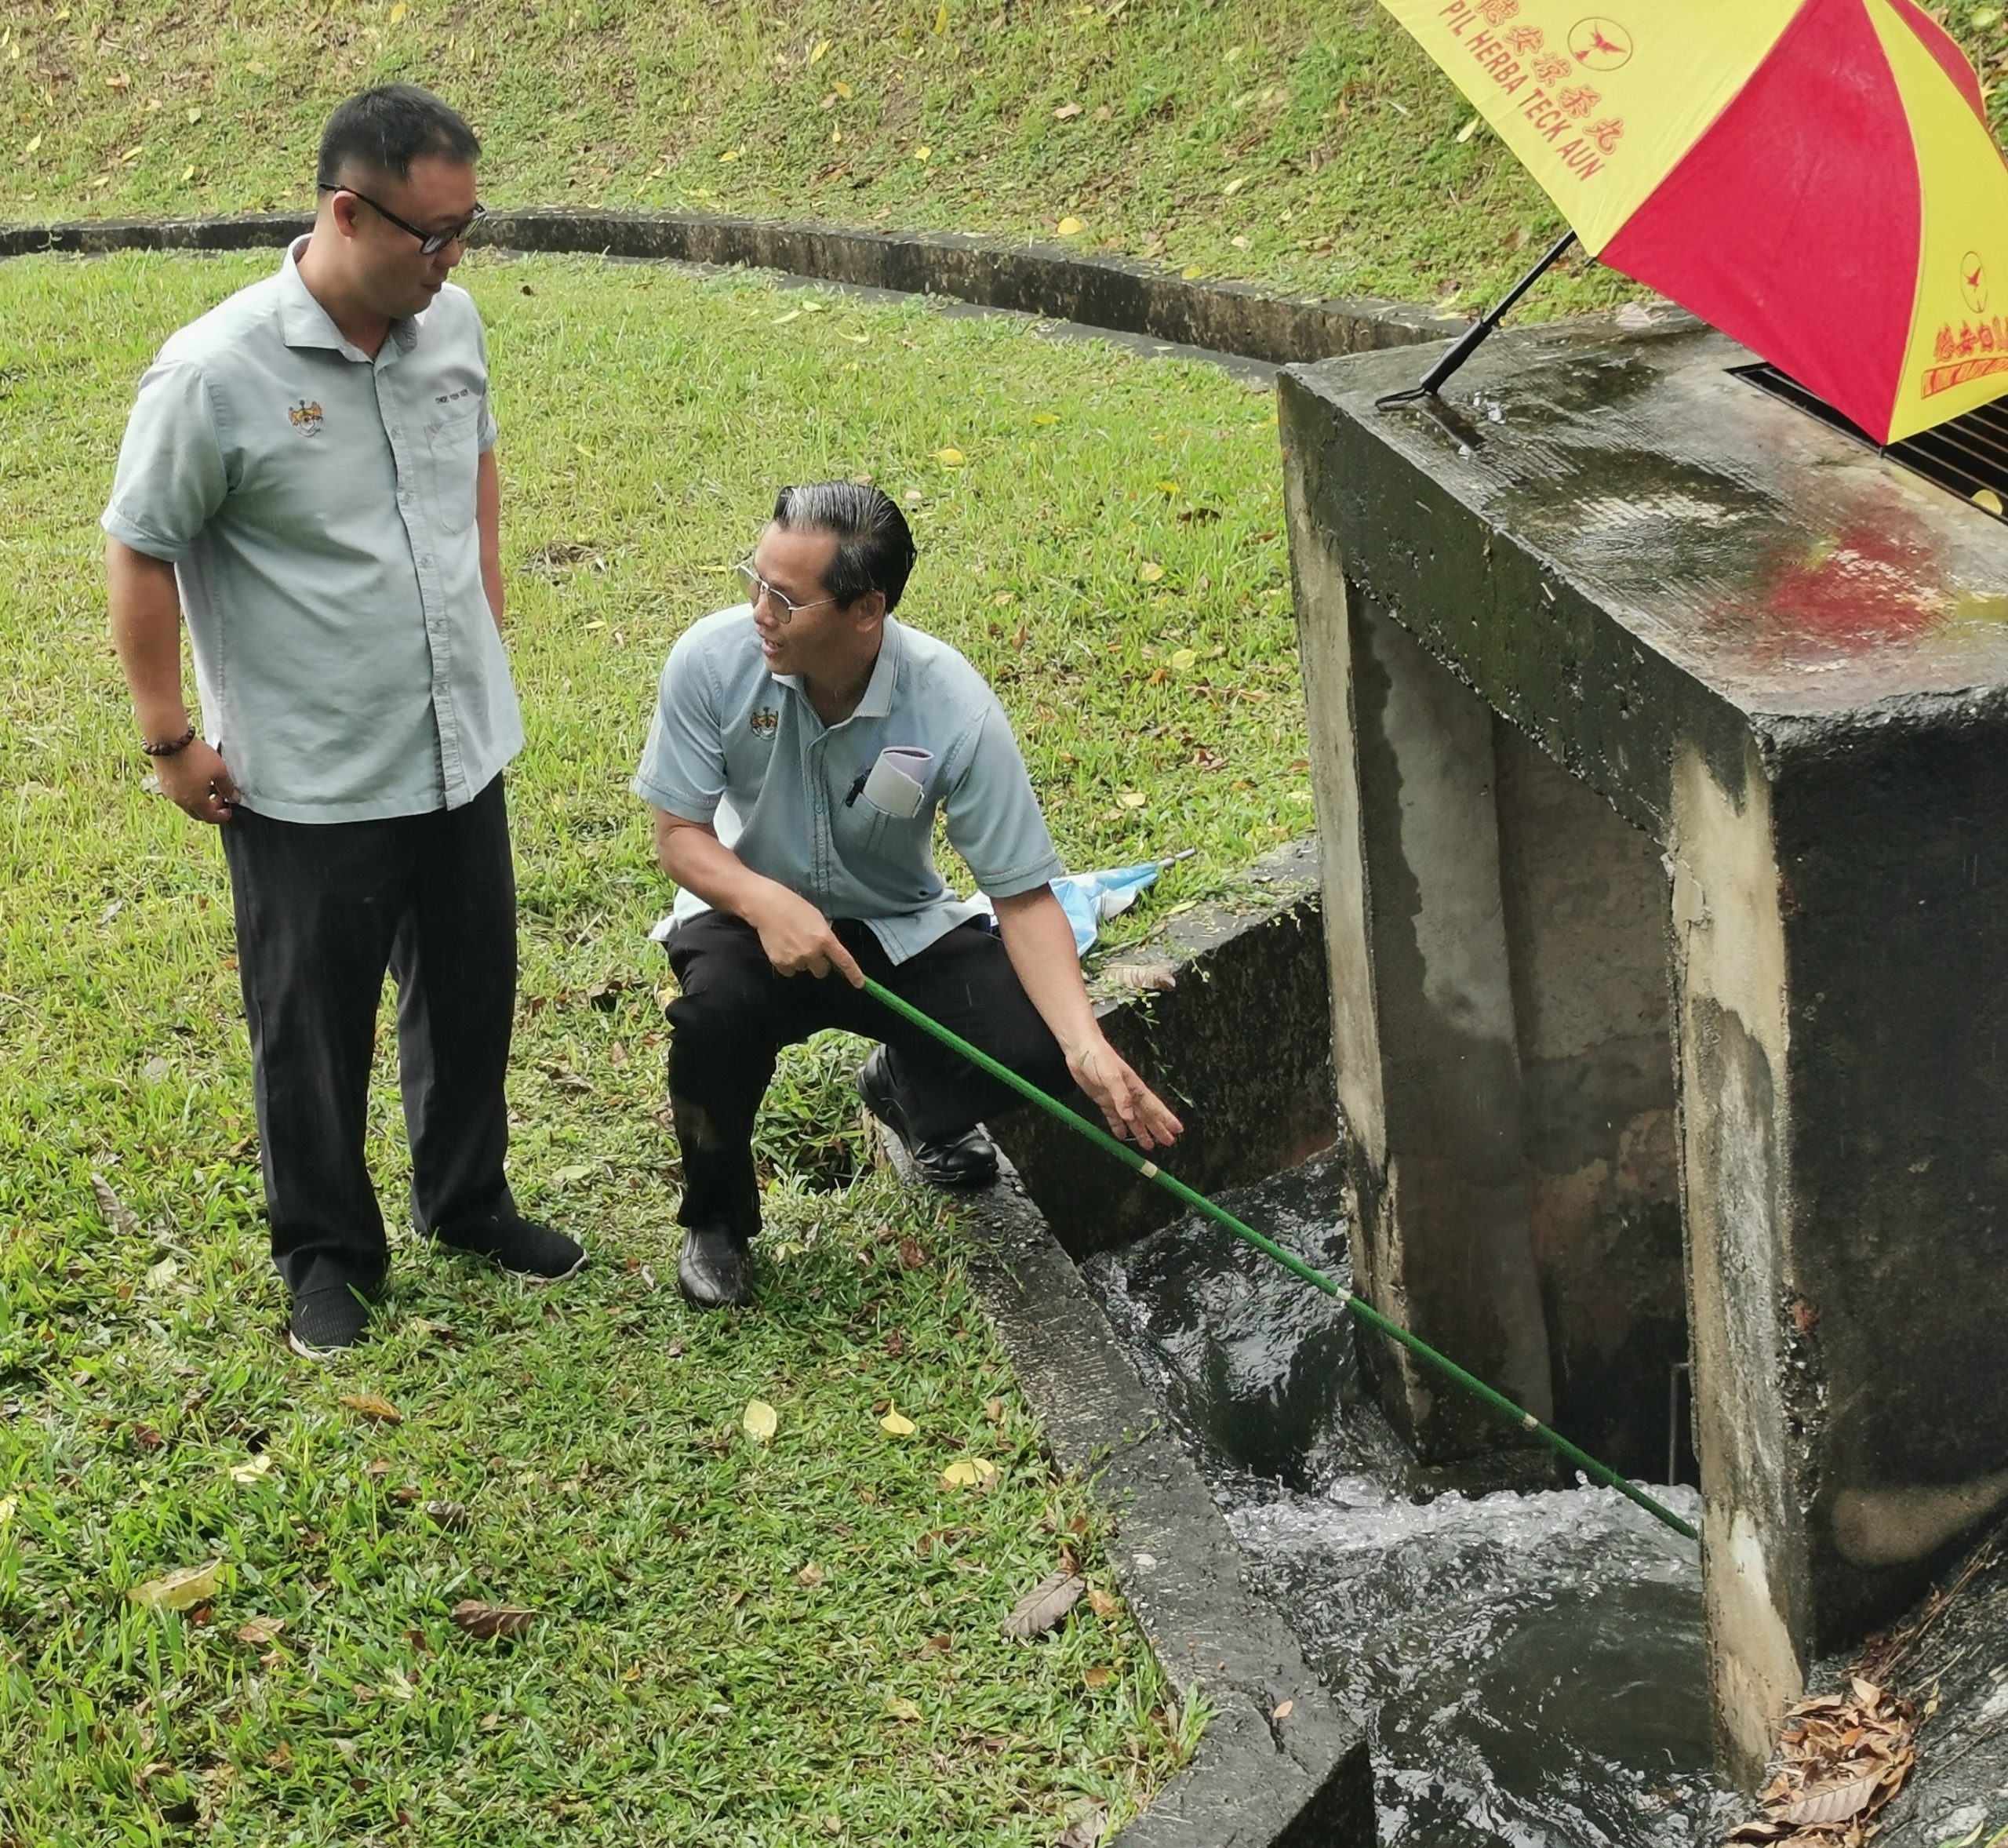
1311	148
735	1643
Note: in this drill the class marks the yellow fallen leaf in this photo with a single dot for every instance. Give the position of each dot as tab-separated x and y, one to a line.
732	153
818	51
1067	111
1192	273
898	1424
1469	129
1986	498
399	12
950	458
921	154
260	1465
369	1404
969	1472
1234	186
34	143
760	1420
193	116
1132	798
1069	227
842	88
941	17
132	154
1046	416
902	1710
179	1590
187	173
1181	659
8	1505
1150	571
783	320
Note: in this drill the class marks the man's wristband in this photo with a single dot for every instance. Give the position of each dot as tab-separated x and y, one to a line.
169	746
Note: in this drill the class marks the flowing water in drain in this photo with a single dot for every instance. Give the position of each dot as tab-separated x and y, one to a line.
1529	1664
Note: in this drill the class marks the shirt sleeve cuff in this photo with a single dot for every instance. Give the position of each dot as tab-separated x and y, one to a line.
168	550
679	802
1015	884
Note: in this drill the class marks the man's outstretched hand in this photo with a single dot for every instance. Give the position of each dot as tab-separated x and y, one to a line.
1135	1112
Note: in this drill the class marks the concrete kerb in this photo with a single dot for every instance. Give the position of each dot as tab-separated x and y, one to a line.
1279	1765
1111	293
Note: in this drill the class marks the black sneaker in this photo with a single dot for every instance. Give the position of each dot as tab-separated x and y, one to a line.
967	1160
517	1244
326	1321
716	1270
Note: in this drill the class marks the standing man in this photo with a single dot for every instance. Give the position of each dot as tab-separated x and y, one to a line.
802	745
308	475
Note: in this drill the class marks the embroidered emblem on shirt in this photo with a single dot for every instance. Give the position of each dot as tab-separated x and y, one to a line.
764	720
306	418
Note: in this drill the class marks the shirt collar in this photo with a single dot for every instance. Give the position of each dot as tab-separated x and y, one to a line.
878	699
304	322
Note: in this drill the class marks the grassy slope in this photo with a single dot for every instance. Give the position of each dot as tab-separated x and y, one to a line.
647	416
1311	147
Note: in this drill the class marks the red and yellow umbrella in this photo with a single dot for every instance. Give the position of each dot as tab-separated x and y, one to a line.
1814	177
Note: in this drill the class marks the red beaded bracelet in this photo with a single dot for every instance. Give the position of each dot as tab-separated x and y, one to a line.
172	745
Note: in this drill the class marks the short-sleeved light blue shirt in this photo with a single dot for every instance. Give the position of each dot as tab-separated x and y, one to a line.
742	748
318	508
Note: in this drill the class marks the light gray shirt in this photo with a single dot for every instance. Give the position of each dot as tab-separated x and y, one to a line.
318	508
742	748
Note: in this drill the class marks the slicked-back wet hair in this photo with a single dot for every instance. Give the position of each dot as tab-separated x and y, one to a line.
384	130
874	546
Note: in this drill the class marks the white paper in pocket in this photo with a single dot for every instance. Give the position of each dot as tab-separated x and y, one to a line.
897	783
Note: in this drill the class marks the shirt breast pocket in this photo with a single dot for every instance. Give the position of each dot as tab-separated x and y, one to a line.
453	448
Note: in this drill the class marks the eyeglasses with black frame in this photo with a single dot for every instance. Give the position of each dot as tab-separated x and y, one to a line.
757	586
430	243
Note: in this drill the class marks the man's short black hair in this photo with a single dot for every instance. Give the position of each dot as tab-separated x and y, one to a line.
385	130
874	548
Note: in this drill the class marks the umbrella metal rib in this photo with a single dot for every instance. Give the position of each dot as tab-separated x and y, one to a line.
1495	1401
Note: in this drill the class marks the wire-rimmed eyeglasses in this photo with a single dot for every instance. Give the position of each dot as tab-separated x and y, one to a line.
430	243
757	586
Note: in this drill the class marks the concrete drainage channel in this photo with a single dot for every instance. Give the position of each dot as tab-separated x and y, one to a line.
1279	1764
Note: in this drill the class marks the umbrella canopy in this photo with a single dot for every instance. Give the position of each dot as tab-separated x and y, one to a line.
1815	178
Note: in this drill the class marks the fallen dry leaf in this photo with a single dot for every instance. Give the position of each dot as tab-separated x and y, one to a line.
479	1618
1098	1677
1069	227
447	1514
118	1216
811	1574
1150	571
1142	977
259	1632
1104	1604
1084	1832
760	1420
911	1256
1045	1605
1283	1710
950	458
898	1424
370	1404
1067	111
969	1472
1836	1803
258	1466
902	1710
179	1590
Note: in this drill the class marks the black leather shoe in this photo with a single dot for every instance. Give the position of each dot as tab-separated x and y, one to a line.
967	1160
716	1269
326	1321
516	1244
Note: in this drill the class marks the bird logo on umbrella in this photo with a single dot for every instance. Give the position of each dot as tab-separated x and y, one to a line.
1600	44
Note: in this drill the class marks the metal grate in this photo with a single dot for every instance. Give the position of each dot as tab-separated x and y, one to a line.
1966	455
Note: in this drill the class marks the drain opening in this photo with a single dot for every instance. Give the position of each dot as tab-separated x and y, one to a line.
1966	455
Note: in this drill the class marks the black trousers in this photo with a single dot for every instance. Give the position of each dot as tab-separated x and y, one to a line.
736	1013
323	908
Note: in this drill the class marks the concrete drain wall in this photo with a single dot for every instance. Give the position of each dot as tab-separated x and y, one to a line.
1659	739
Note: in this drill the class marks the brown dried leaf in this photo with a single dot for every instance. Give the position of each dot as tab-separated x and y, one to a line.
260	1632
479	1618
1098	1677
1837	1804
1045	1605
811	1574
369	1404
911	1256
448	1514
1104	1604
118	1216
1142	977
1084	1832
1283	1710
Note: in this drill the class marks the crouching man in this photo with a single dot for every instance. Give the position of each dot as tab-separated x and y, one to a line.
802	744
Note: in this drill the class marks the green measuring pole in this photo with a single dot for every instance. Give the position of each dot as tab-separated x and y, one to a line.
1131	1158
